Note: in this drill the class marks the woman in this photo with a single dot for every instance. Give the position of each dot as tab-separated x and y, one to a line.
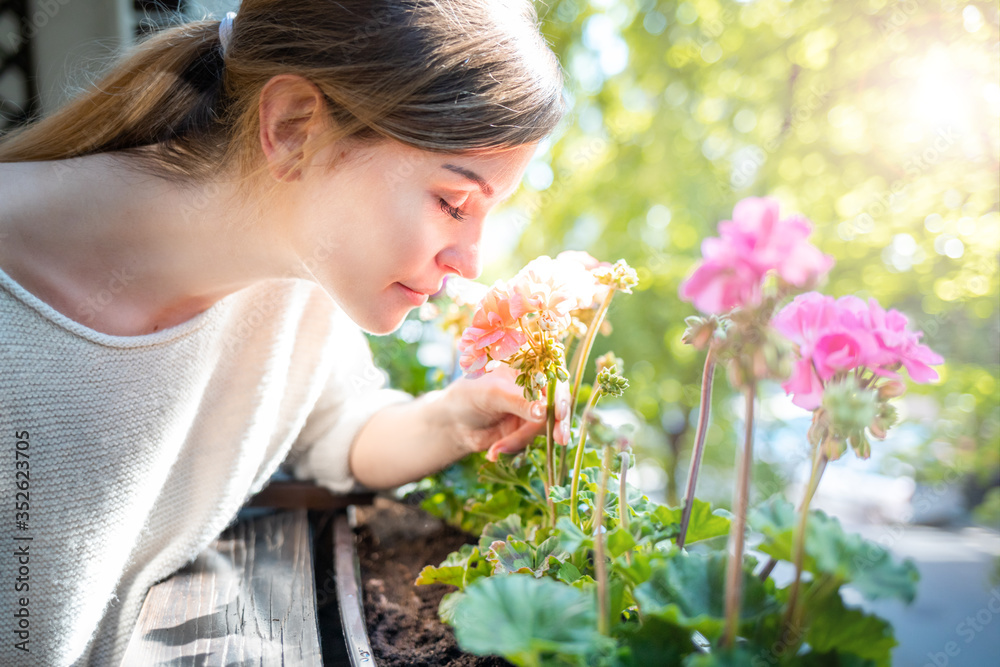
188	254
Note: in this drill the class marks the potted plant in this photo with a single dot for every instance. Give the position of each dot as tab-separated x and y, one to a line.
572	564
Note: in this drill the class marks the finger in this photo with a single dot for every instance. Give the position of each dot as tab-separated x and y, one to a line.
562	400
513	442
561	433
509	399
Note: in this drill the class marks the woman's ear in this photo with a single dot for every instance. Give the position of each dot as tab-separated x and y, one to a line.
291	114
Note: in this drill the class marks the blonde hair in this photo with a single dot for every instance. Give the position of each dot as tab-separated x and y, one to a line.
440	75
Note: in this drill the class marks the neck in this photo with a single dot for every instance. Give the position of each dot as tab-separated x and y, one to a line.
126	253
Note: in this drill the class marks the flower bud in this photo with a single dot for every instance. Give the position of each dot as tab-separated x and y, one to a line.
891	389
851	408
700	331
834	448
620	276
862	448
883	421
610	383
609	360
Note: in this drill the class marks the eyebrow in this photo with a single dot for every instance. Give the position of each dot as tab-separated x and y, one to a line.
472	176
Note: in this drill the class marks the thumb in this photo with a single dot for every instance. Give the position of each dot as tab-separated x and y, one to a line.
517	405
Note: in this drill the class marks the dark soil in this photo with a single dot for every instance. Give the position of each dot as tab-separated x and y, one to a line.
395	543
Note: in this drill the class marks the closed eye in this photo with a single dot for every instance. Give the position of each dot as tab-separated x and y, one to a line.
453	211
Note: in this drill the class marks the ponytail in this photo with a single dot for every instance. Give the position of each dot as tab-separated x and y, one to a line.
163	104
440	75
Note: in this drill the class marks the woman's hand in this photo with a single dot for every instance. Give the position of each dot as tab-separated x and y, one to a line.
402	443
490	413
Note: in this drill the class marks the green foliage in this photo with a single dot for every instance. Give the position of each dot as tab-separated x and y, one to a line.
659	597
528	621
831	552
837	629
706	523
688	590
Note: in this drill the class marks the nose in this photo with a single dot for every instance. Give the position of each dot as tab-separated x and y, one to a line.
462	259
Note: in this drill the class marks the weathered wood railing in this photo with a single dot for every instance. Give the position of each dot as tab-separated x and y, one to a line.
250	598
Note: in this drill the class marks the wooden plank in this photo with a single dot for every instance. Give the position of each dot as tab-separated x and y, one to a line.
249	599
349	595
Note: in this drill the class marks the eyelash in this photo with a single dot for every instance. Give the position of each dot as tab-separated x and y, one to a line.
453	211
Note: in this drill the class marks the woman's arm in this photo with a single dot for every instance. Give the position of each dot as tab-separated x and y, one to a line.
402	443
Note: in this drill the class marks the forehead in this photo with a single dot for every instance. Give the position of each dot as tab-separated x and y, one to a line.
494	172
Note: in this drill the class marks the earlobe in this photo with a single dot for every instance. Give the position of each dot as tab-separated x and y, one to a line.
289	113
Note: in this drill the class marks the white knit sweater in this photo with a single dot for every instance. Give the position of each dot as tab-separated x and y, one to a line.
141	449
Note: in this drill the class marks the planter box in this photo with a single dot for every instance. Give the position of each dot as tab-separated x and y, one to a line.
390	621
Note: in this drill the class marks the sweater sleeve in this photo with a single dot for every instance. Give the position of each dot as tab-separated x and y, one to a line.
354	391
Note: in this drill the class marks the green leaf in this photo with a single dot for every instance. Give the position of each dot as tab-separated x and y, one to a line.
844	630
521	557
640	569
655	642
460	568
619	541
448	605
501	503
830	550
738	657
568	573
526	620
704	523
688	590
550	548
510	527
511	556
571	537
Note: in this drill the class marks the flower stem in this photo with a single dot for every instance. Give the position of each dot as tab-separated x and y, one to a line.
623	511
766	570
550	423
583	353
595	395
600	566
792	616
699	443
734	566
563	458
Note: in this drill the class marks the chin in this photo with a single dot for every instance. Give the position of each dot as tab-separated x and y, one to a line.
379	323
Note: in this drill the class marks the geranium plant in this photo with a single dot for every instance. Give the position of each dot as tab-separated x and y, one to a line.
574	565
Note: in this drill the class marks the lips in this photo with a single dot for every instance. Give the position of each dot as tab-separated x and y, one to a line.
416	296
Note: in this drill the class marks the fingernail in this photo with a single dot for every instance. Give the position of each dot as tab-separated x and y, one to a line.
537	411
563	408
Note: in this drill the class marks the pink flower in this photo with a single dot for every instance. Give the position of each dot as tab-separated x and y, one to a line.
897	345
836	336
590	263
551	289
584	259
493	336
749	246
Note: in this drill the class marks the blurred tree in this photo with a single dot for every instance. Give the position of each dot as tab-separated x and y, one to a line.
877	120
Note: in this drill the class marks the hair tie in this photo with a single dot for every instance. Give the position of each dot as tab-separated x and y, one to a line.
226	31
